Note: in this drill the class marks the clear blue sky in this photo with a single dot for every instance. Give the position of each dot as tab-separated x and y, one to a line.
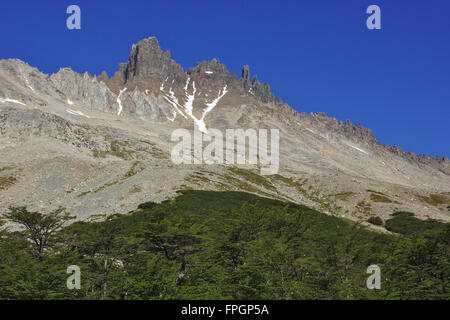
317	55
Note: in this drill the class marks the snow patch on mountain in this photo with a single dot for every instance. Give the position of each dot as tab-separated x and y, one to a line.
360	150
28	85
76	113
3	100
119	102
215	101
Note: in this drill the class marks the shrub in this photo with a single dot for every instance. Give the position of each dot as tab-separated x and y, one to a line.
147	205
405	223
375	221
403	213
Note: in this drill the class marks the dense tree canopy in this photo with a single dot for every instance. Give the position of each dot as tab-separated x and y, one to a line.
222	245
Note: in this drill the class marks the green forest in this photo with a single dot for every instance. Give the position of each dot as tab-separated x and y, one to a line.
221	245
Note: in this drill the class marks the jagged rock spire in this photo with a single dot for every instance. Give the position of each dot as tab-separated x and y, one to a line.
246	76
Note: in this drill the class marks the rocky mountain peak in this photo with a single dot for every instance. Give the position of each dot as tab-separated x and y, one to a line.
146	68
147	63
149	66
104	126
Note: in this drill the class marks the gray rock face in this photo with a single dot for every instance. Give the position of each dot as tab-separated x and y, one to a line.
83	89
20	124
22	82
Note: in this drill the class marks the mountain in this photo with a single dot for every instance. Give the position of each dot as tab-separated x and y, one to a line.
99	145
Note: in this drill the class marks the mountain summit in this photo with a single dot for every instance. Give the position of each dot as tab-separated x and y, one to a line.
148	66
